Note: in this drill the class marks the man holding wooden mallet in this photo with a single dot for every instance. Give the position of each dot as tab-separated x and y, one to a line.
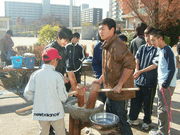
117	73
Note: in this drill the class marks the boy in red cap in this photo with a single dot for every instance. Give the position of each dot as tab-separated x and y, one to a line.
46	88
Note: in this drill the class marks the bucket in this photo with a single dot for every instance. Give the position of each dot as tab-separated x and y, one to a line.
29	62
17	61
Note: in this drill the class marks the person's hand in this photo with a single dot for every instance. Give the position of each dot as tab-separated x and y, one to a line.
117	88
66	80
98	81
136	74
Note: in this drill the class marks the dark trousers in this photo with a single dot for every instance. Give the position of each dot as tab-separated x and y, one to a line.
144	95
8	62
78	78
178	74
118	108
4	59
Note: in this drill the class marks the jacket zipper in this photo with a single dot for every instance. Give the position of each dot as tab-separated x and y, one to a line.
73	57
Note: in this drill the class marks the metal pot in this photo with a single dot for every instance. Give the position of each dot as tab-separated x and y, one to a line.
104	121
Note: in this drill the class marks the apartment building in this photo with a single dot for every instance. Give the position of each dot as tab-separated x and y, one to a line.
34	11
91	15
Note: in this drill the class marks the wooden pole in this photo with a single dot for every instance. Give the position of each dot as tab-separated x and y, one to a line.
123	89
73	80
80	95
93	96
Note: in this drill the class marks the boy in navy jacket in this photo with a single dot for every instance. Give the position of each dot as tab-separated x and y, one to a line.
146	79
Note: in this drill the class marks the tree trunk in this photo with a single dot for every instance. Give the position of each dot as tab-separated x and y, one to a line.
156	12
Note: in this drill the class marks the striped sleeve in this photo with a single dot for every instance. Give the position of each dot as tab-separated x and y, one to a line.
169	56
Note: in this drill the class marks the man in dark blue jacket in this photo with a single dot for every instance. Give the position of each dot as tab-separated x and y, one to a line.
146	79
97	66
75	56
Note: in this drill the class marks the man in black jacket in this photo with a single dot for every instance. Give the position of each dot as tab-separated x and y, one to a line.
75	56
64	35
139	40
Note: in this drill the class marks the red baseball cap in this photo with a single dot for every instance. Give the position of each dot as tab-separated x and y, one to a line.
52	53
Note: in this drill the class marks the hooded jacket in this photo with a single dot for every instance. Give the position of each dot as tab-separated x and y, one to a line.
115	58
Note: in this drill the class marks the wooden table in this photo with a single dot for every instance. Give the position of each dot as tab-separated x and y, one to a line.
17	72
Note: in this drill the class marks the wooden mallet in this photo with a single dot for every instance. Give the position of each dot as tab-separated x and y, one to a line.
80	88
95	89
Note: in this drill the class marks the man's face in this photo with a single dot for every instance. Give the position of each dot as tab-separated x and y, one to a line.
8	35
154	41
147	38
63	42
75	40
105	33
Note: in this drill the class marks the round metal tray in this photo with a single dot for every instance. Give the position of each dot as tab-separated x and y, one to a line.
103	121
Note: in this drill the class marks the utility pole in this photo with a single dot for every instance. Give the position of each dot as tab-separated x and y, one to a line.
70	14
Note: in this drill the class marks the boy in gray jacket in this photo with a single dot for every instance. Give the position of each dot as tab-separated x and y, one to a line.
46	88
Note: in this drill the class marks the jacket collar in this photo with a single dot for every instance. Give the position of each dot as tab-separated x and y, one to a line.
152	46
106	45
47	66
75	44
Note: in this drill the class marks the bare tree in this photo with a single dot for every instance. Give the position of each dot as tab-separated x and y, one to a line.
159	13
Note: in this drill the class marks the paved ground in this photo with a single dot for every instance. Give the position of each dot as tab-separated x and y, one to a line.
22	124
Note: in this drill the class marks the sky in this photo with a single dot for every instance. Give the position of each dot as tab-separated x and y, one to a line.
104	4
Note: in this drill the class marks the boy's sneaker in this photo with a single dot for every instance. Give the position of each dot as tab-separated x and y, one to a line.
155	132
145	126
133	122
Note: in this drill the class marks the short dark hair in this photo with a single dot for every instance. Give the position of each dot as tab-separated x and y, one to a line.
109	22
140	28
64	33
46	62
123	37
10	32
118	32
76	35
158	33
149	30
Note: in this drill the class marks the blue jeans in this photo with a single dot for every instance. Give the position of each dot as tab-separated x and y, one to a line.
118	108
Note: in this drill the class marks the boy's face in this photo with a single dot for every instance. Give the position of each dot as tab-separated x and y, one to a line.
63	42
105	33
75	40
154	41
147	38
